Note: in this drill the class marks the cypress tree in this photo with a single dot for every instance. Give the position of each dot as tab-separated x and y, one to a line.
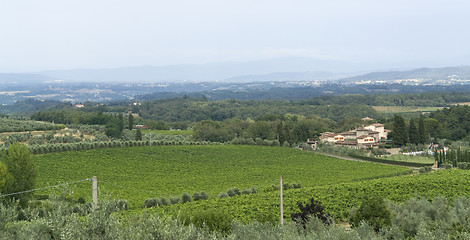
131	121
138	135
400	136
413	135
423	136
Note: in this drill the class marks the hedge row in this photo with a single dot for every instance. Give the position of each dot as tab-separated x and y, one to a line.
377	160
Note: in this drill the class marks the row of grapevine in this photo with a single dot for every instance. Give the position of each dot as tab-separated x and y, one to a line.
337	199
78	146
168	171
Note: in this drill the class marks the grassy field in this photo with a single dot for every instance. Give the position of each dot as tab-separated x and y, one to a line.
461	103
170	132
139	173
404	109
404	158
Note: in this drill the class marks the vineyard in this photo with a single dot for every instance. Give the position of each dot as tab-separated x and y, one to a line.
139	173
337	198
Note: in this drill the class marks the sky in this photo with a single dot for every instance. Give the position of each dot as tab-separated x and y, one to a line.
57	34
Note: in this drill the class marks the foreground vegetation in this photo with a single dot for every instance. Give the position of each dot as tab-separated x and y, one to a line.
337	199
57	218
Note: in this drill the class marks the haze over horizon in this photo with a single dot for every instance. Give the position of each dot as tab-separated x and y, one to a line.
55	35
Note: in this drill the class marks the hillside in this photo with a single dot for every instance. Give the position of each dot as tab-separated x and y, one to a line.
443	75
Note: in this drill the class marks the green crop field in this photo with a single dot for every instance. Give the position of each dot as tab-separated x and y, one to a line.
337	198
415	159
139	173
404	109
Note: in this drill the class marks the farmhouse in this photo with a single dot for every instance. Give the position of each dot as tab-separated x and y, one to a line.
368	136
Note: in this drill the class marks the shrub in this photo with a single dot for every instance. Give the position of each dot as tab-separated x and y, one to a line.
196	196
164	201
151	202
231	193
174	200
314	209
373	211
186	198
425	169
246	191
204	196
210	219
463	165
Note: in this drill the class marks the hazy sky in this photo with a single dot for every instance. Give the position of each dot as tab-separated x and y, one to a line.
61	34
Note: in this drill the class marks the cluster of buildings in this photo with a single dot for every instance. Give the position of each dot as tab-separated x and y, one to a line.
368	136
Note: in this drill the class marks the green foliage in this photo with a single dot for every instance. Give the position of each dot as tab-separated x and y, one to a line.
399	133
185	198
22	168
373	211
413	135
5	177
336	198
451	123
138	135
113	128
130	121
212	220
424	169
422	133
171	170
312	210
12	125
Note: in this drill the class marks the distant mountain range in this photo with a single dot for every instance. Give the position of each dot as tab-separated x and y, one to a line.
271	70
431	75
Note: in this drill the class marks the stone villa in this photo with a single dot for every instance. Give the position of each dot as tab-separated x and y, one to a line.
369	136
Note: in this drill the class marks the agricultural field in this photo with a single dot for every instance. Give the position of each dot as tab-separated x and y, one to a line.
404	109
336	198
414	159
138	173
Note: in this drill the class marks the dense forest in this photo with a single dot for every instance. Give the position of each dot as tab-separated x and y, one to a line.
307	92
291	121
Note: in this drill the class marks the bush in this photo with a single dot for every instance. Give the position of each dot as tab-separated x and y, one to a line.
463	165
425	169
314	209
174	200
223	195
210	219
373	211
151	202
204	196
186	198
164	201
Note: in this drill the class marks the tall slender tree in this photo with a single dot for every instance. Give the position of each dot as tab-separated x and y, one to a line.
399	133
131	121
413	136
423	136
